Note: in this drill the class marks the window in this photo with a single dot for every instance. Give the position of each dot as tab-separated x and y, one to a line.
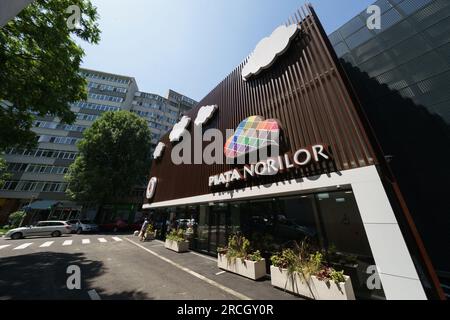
50	187
87	117
28	186
17	167
95	106
43	153
105	97
59	140
9	185
75	128
45	124
107	78
44	169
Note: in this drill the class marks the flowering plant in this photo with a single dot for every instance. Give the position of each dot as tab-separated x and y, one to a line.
329	274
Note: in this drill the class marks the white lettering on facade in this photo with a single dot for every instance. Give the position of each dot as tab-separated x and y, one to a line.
272	166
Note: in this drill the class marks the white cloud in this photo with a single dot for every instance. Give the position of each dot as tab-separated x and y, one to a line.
268	49
179	129
151	188
204	114
159	150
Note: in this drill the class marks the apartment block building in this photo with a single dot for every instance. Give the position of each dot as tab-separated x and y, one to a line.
37	177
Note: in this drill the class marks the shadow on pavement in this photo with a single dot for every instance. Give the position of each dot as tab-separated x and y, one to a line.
43	276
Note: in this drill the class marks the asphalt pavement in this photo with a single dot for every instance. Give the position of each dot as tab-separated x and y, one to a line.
117	267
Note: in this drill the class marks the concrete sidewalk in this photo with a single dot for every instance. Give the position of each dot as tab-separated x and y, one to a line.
206	266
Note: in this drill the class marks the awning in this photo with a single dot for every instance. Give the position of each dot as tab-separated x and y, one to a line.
41	205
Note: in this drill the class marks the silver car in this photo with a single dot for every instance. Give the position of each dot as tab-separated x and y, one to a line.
41	229
80	226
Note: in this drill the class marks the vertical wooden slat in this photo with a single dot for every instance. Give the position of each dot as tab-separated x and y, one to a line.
303	90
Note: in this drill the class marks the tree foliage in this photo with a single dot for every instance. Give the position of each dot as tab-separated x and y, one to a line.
16	218
3	171
114	158
39	66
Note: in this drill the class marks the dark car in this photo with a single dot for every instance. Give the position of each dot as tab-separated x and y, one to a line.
120	225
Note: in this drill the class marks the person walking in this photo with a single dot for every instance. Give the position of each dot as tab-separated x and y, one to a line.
143	230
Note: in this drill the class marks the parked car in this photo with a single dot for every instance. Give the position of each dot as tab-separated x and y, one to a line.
120	225
41	229
80	226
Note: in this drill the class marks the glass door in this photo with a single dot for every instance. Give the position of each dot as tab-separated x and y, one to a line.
201	232
218	226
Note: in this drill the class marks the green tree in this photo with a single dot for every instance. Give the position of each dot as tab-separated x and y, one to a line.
16	218
114	158
3	173
39	66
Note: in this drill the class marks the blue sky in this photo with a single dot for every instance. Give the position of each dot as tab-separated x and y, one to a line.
191	45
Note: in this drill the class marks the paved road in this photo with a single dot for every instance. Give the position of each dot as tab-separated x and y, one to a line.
36	268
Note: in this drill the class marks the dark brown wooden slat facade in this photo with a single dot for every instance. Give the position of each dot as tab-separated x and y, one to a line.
304	90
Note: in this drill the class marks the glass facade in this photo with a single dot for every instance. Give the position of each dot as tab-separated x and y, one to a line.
330	221
401	74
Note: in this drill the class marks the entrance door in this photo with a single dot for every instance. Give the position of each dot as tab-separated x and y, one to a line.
218	227
201	241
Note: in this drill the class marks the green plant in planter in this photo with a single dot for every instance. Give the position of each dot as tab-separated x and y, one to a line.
176	235
329	274
222	250
287	259
297	260
255	256
150	229
239	248
306	262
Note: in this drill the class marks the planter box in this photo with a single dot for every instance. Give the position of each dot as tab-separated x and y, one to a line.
150	236
294	283
311	288
249	269
179	247
334	291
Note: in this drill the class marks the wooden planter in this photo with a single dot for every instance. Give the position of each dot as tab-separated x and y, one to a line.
182	246
312	287
246	268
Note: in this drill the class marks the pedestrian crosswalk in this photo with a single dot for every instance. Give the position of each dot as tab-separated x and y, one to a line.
46	244
64	243
23	246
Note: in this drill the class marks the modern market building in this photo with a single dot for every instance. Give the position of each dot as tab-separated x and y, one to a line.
330	181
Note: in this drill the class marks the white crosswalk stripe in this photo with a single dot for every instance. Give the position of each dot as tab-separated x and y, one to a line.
65	243
47	244
23	246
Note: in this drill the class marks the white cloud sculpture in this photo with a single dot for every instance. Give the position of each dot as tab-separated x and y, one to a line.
179	129
268	49
204	114
159	150
151	188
